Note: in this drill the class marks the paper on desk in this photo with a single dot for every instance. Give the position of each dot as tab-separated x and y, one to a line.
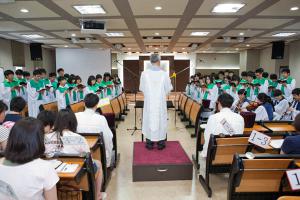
276	144
67	168
103	102
55	163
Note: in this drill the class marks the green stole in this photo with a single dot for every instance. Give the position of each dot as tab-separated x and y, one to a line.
238	87
210	86
22	88
37	86
62	90
93	88
45	82
12	84
106	83
288	81
205	95
248	91
54	85
73	92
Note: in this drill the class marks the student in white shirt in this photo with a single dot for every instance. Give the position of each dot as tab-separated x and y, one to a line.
287	84
47	118
63	95
240	105
24	175
91	122
264	112
225	116
64	139
281	105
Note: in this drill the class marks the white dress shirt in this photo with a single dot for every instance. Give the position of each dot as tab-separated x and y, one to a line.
91	122
261	114
215	127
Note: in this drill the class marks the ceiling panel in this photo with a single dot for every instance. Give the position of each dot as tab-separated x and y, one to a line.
51	41
27	33
261	40
157	23
156	40
63	46
115	24
161	32
193	39
121	40
108	6
208	6
282	8
169	7
211	32
272	33
8	37
12	26
247	33
53	24
294	26
67	34
263	23
36	10
210	22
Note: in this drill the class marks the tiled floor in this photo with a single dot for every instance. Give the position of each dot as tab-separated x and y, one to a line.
121	186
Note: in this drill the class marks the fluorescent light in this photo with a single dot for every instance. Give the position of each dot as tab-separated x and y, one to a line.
156	48
90	9
66	46
23	10
283	34
115	34
248	45
129	48
294	8
236	49
183	48
33	36
157	7
156	33
227	7
199	33
73	34
241	33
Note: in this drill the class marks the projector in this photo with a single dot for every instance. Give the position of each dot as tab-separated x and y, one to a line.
93	27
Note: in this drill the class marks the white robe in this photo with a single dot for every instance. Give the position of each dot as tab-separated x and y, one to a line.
261	114
155	84
288	90
280	109
33	102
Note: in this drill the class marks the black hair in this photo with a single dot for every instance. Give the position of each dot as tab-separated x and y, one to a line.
296	91
265	74
244	73
235	78
52	74
77	78
71	79
90	79
17	104
251	74
297	122
286	70
277	93
3	107
36	72
106	74
273	76
8	72
26	73
43	71
98	76
259	70
225	100
60	70
262	97
91	100
26	141
19	72
221	72
242	91
47	117
59	79
65	119
66	76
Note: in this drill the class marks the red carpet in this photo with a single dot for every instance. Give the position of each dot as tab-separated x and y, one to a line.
172	154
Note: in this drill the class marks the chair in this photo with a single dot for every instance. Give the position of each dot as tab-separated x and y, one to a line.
77	107
187	109
50	106
116	109
122	105
182	104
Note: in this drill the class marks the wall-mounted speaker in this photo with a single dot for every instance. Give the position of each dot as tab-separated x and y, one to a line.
278	50
36	52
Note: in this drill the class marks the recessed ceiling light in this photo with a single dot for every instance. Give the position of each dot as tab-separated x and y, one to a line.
89	9
66	46
129	48
156	33
32	36
227	7
236	49
73	34
115	34
283	34
157	7
294	8
23	10
248	45
183	48
241	33
199	33
156	48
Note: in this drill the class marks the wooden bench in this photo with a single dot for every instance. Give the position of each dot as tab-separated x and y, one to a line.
182	104
24	112
77	107
260	178
221	150
278	126
116	107
49	106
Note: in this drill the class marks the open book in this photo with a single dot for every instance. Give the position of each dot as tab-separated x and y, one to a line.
276	144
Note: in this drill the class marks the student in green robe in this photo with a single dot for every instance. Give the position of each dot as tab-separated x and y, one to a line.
73	88
81	88
91	85
47	85
264	83
26	76
35	90
100	84
287	84
22	83
108	84
9	88
63	94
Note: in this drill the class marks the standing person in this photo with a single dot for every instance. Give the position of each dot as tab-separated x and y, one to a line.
81	88
35	92
63	94
264	83
155	84
53	81
108	84
60	73
22	83
47	85
287	84
9	88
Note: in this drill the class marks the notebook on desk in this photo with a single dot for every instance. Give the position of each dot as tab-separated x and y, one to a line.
276	144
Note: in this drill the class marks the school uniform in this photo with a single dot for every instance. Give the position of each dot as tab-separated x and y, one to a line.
280	108
63	100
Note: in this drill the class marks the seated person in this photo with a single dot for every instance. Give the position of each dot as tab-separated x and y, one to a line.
65	140
281	105
225	121
47	118
4	131
24	175
240	105
17	105
291	144
265	110
91	122
294	109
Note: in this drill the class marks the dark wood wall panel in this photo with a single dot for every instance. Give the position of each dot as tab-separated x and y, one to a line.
182	78
131	73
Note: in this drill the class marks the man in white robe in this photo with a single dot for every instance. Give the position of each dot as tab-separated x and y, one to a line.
155	84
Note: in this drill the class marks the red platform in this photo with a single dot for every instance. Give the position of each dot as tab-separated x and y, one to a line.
172	163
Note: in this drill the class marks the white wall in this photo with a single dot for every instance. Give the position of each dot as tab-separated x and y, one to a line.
294	60
218	61
265	60
5	54
84	62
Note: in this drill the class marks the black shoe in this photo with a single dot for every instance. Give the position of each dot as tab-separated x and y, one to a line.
161	145
149	144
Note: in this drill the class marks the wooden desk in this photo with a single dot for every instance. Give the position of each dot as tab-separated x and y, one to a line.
256	127
277	127
298	163
91	140
68	176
